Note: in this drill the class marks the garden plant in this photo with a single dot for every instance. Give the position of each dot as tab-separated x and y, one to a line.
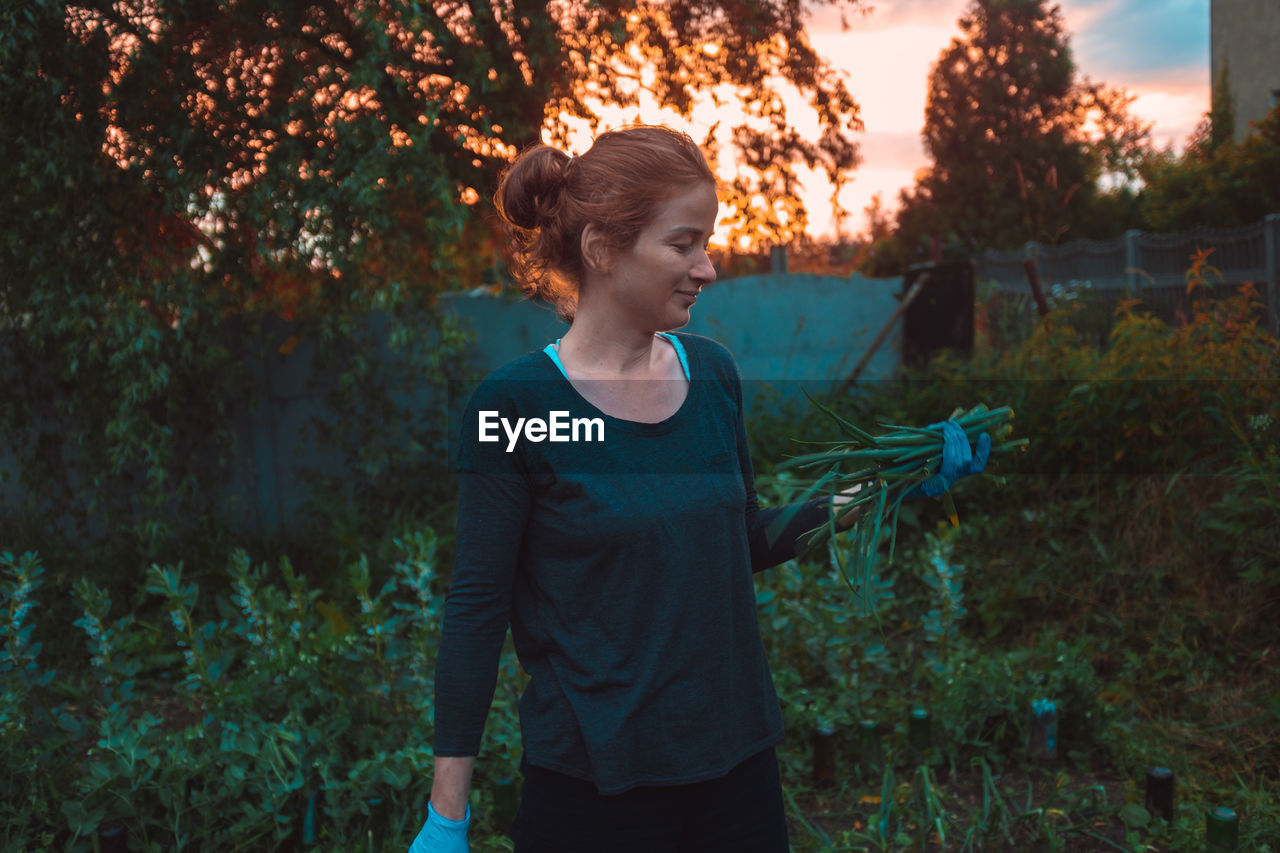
1109	601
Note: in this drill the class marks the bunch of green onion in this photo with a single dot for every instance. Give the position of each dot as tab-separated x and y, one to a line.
877	472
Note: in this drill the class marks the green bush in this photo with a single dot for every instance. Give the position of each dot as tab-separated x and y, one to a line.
1126	567
258	715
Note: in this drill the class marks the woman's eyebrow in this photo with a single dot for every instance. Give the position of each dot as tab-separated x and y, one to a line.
679	229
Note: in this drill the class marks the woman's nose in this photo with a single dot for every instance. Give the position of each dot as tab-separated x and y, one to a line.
705	271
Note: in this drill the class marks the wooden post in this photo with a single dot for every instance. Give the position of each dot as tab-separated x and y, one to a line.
870	756
1222	829
824	756
884	333
778	260
1044	730
1160	792
1037	290
1133	260
1271	238
920	749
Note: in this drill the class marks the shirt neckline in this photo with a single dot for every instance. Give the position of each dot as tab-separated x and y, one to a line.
552	352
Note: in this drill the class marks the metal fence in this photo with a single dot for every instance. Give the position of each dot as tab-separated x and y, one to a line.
1149	267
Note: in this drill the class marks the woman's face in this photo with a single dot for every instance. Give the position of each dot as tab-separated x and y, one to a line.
656	281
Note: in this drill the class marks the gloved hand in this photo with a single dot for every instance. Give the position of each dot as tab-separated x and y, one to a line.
958	460
441	835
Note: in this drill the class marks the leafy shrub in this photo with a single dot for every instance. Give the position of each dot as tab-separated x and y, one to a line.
1126	567
260	715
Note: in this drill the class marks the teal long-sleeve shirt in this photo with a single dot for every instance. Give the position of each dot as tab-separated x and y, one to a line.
622	562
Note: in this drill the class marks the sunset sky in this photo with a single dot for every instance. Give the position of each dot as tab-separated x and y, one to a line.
1155	49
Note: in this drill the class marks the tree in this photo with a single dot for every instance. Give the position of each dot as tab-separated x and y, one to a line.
745	52
994	122
309	139
173	169
1222	110
886	255
1018	143
290	143
1216	182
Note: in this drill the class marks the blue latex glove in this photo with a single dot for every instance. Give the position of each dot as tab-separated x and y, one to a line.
958	460
441	835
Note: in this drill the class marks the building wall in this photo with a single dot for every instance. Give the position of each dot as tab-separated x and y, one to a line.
1245	36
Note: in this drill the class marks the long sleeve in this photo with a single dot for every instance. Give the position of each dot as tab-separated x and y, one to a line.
491	517
770	548
493	508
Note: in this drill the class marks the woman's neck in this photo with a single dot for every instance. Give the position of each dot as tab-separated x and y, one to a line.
600	349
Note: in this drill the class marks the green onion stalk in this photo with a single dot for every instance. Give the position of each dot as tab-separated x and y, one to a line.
876	473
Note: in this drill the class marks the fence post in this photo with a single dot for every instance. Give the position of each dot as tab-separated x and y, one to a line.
1271	239
778	260
1133	259
263	441
1037	288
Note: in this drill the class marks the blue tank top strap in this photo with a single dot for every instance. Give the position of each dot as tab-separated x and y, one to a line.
675	342
553	352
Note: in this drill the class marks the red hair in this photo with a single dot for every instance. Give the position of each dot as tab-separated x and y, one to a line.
547	198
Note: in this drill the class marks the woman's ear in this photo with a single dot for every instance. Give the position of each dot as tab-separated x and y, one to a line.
597	255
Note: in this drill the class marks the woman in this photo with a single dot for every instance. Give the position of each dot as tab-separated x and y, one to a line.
621	554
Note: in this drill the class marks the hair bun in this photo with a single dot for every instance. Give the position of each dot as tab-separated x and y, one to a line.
531	189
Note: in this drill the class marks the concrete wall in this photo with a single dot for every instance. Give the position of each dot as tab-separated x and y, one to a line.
1245	36
787	332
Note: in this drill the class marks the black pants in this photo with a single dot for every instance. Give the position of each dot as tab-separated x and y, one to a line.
741	812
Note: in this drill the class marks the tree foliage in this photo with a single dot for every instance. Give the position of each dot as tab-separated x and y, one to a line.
176	169
173	170
1018	141
999	103
1220	123
747	53
291	146
1217	181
